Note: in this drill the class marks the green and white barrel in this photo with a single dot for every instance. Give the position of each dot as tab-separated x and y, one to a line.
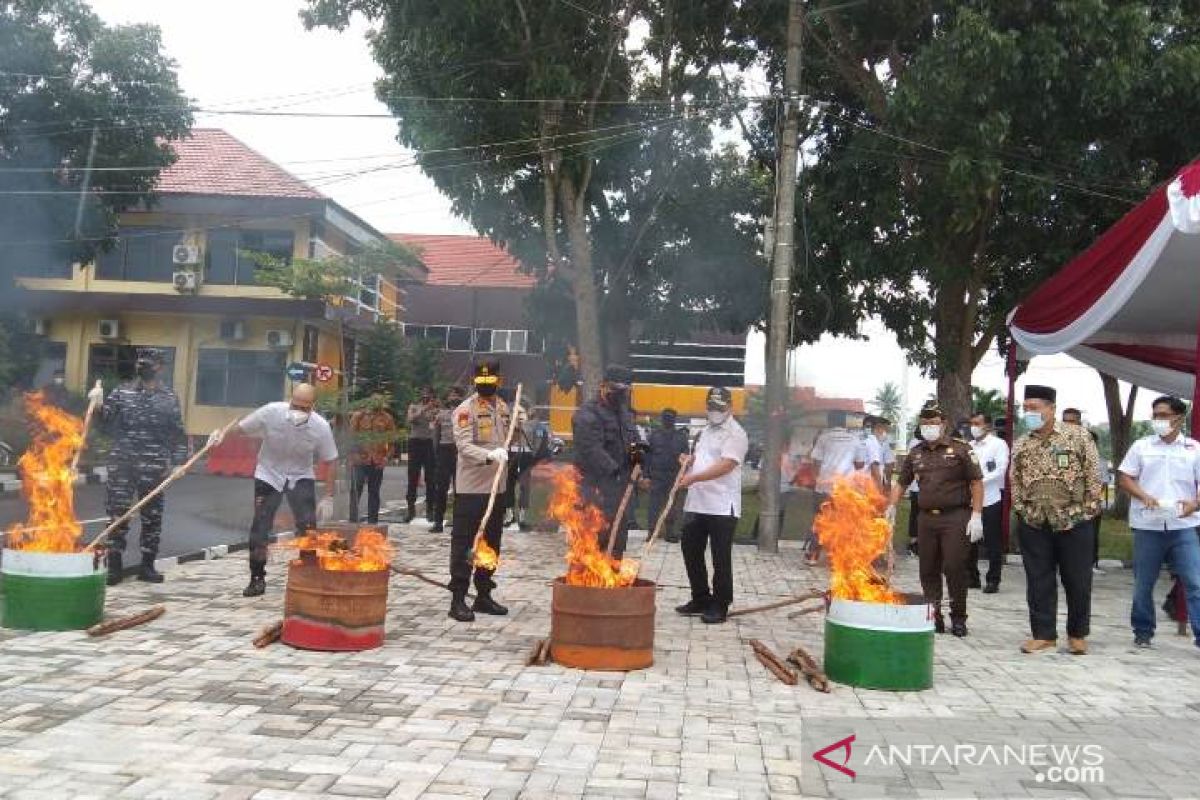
50	591
880	645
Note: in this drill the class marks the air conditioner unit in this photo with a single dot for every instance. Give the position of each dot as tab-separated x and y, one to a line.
279	338
233	329
185	280
185	254
109	329
40	326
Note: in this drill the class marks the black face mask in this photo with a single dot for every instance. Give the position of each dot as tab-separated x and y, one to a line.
146	372
486	390
668	423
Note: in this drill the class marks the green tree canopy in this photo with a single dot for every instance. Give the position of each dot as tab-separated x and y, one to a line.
988	401
65	77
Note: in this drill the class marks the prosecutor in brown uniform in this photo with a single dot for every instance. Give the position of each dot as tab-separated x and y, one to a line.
950	505
480	427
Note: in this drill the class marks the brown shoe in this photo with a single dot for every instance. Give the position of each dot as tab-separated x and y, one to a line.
1037	645
1078	647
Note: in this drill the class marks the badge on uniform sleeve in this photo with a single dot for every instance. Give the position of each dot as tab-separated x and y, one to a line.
463	419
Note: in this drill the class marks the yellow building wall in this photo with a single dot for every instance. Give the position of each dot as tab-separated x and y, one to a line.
647	398
188	334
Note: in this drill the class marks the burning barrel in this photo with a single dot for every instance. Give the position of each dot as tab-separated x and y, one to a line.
880	645
336	596
602	628
50	591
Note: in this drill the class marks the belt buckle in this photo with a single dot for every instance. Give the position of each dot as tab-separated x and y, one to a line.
935	511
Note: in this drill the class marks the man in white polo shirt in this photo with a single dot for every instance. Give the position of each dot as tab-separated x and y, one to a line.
1162	474
293	436
712	508
992	452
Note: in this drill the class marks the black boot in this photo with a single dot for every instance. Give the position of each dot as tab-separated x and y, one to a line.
148	573
437	526
459	611
411	514
484	604
256	587
115	574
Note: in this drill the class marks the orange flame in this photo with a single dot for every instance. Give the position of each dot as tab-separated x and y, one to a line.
485	557
850	529
372	552
47	481
587	563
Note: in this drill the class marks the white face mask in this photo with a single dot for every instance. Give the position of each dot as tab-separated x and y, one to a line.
977	432
1034	420
931	433
298	417
58	381
1162	427
717	417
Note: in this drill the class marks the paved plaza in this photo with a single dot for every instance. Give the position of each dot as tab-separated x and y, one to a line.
185	707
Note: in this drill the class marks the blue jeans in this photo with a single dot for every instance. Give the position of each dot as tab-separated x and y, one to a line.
1181	550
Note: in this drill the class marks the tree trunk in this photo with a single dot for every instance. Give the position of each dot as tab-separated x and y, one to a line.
954	335
583	284
1120	424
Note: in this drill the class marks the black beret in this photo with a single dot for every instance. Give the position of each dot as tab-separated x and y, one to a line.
617	373
1035	392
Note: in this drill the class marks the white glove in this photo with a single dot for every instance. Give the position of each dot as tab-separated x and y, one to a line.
325	509
498	456
890	515
96	393
975	528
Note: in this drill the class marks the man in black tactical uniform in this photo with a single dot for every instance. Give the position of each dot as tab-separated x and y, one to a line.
143	421
607	446
661	465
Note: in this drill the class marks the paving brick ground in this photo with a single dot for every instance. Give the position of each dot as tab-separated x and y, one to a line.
186	708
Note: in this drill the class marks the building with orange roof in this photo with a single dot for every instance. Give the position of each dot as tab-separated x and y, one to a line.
180	278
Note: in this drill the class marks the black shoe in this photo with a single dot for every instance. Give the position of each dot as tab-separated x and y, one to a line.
256	587
715	615
410	514
991	588
692	608
673	538
148	573
975	583
437	527
484	604
1141	640
959	629
939	624
459	611
115	575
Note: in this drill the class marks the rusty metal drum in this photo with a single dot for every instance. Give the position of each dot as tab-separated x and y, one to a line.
602	629
333	609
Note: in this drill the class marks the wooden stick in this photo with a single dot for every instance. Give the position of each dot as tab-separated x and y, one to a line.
662	515
87	424
619	518
544	655
802	612
774	663
178	473
812	673
800	598
535	653
514	416
269	635
130	621
414	573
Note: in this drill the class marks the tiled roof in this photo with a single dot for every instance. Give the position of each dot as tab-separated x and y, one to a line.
213	162
466	261
806	398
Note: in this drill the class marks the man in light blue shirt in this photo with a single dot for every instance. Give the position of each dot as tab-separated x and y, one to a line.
1162	474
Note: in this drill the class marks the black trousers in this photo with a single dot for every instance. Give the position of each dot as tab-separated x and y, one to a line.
443	476
420	459
369	477
715	533
942	548
1067	555
302	499
468	511
607	498
992	545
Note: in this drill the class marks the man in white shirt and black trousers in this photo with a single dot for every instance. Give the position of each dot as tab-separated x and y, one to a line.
992	452
293	437
713	506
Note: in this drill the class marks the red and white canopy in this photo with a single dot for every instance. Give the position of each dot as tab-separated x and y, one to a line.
1129	305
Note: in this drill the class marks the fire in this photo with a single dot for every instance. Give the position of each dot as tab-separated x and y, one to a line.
47	481
587	563
485	557
854	535
372	552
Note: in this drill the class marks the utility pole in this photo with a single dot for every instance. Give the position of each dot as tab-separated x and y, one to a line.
783	257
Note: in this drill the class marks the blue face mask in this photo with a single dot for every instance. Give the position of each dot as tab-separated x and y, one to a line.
1034	420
